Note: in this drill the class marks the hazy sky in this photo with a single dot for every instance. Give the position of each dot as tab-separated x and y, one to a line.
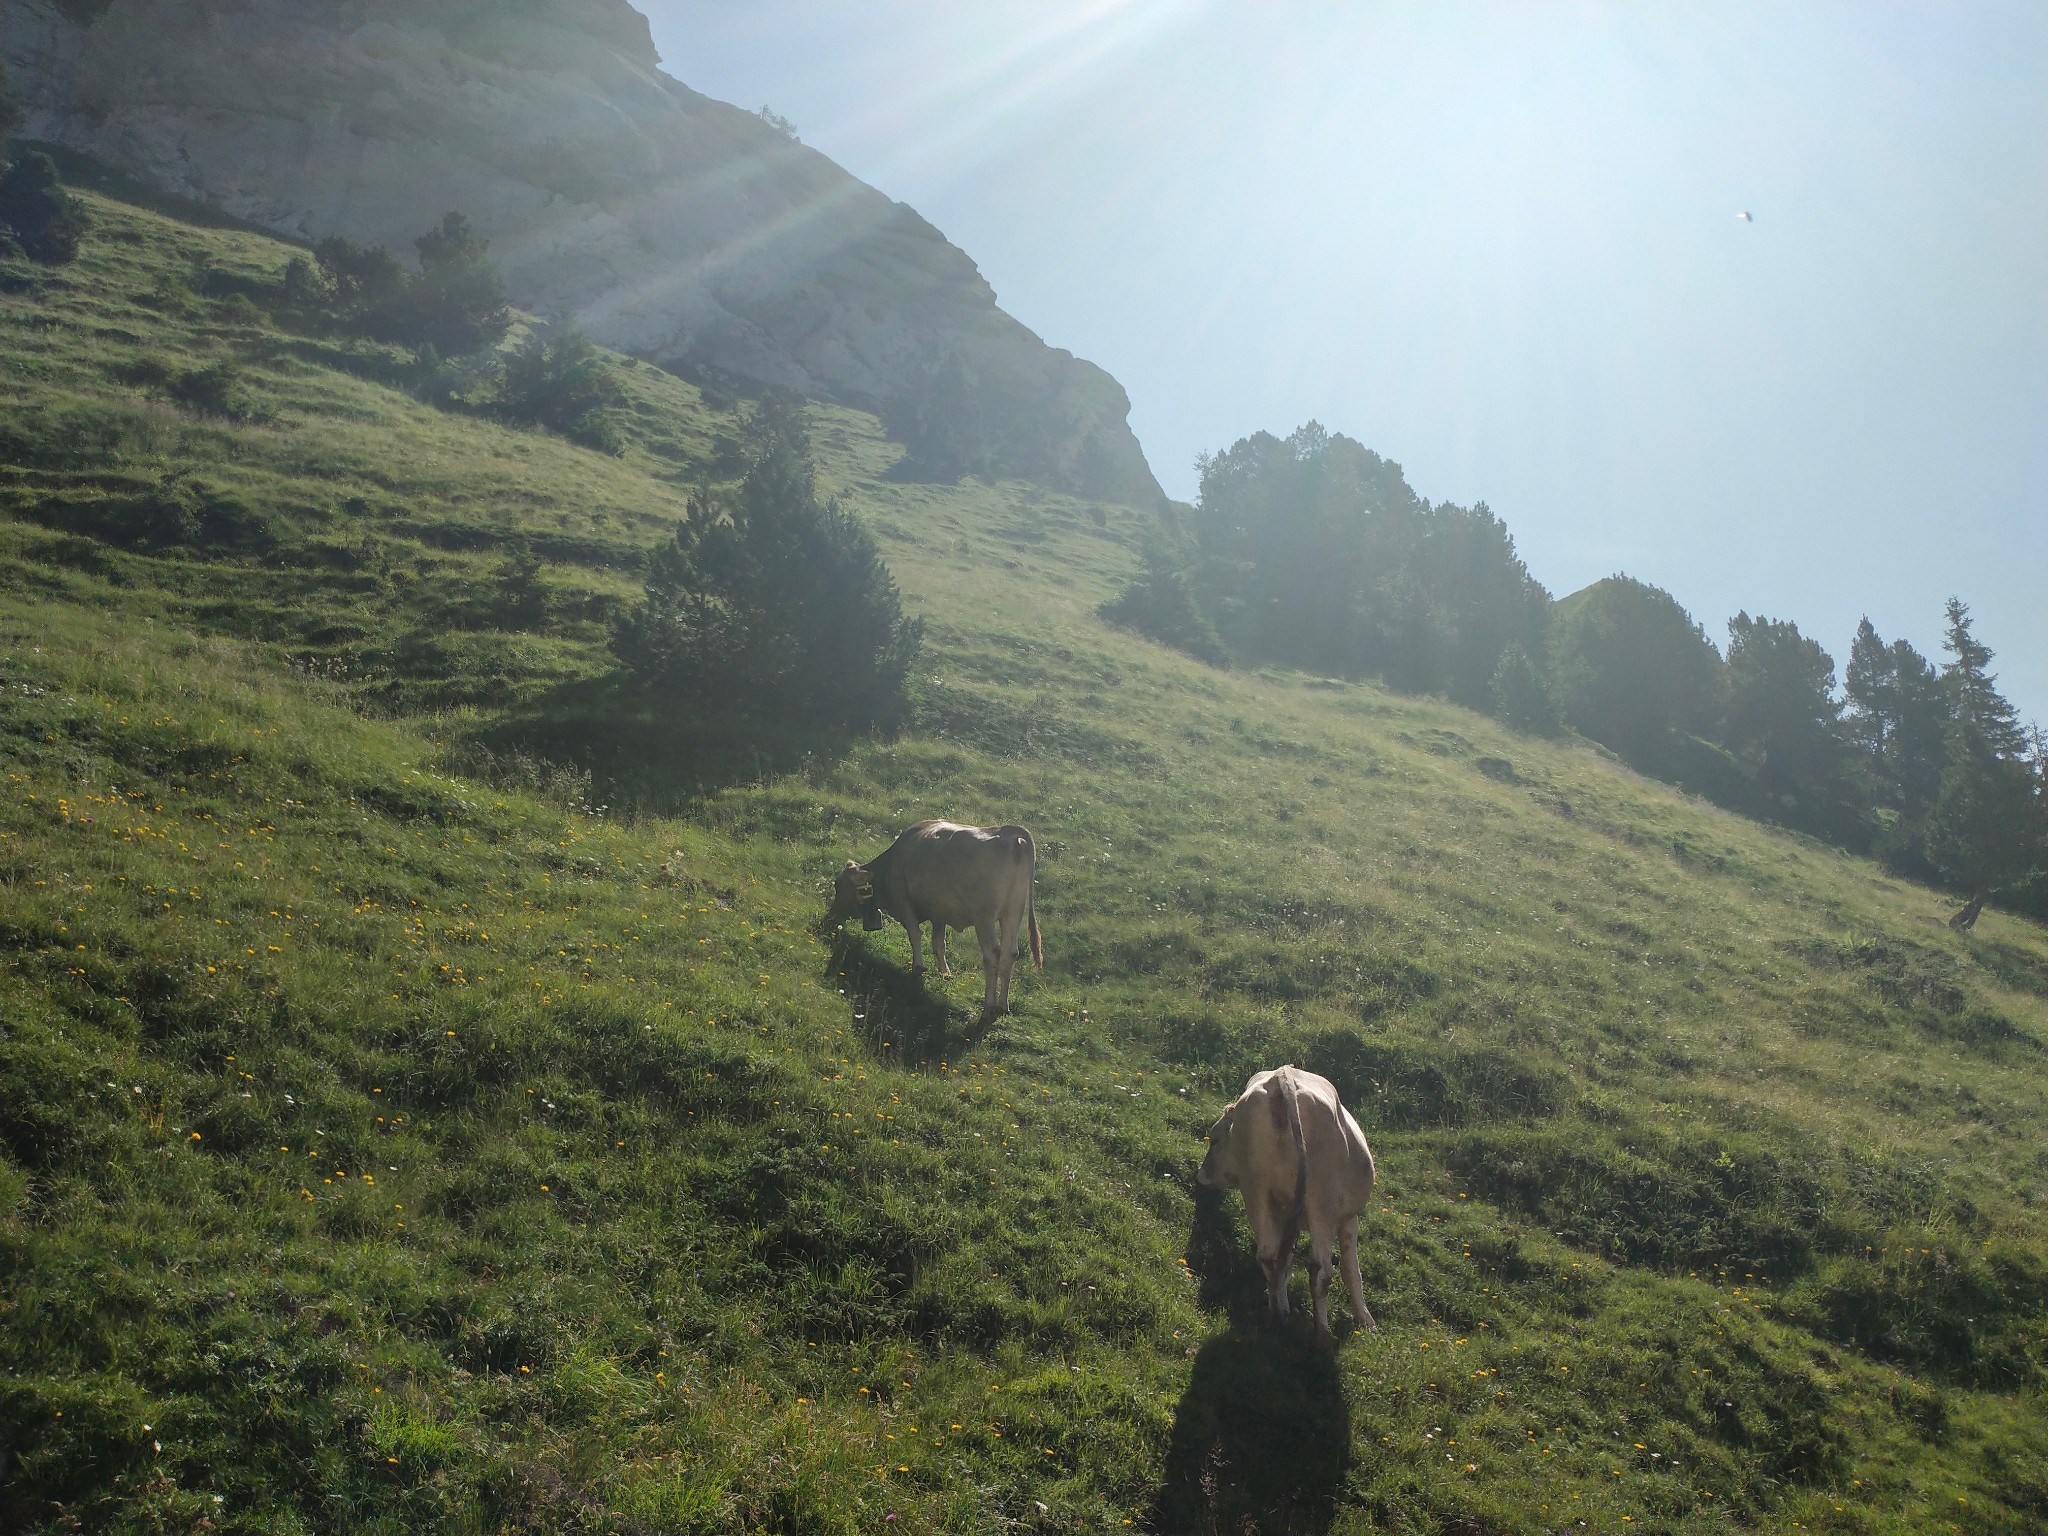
1498	243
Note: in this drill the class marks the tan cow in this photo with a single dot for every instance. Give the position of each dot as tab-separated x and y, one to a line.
1290	1144
951	876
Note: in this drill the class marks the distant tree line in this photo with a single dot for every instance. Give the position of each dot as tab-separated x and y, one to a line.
1312	551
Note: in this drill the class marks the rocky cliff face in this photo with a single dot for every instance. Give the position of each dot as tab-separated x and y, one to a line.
670	225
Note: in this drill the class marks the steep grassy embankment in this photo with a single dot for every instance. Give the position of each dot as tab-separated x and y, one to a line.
392	1143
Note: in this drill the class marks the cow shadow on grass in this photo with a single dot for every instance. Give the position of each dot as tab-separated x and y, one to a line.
1262	1437
901	1017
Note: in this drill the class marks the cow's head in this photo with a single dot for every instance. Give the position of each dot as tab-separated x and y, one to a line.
1219	1168
853	890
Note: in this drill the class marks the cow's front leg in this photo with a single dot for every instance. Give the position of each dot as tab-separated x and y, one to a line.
939	948
916	930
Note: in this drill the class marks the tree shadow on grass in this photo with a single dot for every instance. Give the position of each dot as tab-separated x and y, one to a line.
645	754
899	1016
1262	1437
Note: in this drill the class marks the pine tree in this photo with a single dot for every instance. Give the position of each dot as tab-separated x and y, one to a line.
1784	722
1897	725
774	603
1984	832
1974	699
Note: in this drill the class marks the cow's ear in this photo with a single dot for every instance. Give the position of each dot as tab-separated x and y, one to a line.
852	867
1220	1131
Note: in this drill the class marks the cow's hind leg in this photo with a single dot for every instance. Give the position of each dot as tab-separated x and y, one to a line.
985	936
1276	1254
1351	1276
1319	1282
1006	961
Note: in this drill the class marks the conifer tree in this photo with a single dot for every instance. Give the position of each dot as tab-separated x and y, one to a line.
1897	719
771	602
1784	722
1985	832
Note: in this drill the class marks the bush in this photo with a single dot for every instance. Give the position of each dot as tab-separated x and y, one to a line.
558	379
776	603
456	304
1160	604
519	597
45	220
216	390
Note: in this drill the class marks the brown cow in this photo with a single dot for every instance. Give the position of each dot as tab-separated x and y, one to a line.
942	873
1290	1144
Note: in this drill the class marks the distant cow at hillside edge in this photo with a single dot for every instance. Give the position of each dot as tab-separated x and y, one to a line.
951	876
1290	1144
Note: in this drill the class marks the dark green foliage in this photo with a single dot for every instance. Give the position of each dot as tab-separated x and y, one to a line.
362	281
939	419
1521	696
45	220
519	597
1784	723
1632	670
1314	552
303	286
455	304
1160	603
558	379
12	113
774	602
216	390
1988	829
1897	720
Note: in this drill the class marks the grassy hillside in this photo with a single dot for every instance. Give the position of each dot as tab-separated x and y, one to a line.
425	1103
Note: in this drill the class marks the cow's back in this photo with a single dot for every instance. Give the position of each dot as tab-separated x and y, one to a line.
1340	1165
960	874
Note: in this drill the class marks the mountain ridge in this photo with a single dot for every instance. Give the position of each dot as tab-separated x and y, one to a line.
671	226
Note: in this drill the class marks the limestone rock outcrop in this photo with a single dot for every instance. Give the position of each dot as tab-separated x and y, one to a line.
672	226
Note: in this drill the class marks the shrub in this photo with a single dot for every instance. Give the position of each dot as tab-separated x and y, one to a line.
216	390
559	379
775	603
456	304
519	597
45	220
1160	603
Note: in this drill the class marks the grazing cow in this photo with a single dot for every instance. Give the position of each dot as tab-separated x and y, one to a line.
942	873
1290	1144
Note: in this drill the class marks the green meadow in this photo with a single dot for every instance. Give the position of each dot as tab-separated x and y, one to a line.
426	1102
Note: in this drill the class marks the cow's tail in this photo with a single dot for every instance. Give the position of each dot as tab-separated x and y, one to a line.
1285	1078
1027	854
